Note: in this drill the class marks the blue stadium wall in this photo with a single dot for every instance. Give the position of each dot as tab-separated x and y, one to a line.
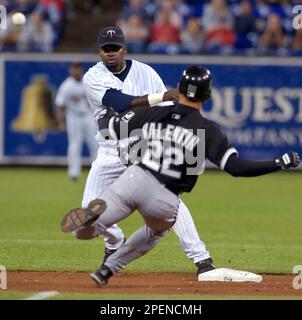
256	101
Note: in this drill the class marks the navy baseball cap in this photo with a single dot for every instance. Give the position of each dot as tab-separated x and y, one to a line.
111	35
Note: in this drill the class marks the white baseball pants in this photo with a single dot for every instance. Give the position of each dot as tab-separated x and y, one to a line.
80	129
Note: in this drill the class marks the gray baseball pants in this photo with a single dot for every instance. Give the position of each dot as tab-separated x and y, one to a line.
137	189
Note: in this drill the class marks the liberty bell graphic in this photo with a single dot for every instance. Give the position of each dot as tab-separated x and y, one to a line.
36	114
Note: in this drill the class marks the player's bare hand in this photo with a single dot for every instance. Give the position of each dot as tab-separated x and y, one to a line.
171	95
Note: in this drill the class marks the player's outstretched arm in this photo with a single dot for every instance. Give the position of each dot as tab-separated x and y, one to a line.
239	167
220	152
153	99
121	102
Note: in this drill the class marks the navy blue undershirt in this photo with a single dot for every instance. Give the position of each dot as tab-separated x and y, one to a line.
122	76
115	98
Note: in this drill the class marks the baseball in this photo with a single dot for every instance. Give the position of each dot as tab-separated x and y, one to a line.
18	19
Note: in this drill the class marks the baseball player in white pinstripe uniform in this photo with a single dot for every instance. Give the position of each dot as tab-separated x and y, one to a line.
74	116
121	84
172	142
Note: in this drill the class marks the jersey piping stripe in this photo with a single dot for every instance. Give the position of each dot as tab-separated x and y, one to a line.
226	157
111	129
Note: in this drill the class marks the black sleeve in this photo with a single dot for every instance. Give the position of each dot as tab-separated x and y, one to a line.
217	148
124	125
127	124
219	151
239	167
113	125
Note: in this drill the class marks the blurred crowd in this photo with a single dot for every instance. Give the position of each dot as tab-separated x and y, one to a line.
249	27
44	27
255	27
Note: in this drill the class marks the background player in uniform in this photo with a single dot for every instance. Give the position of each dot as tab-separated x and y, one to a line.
74	116
170	138
121	84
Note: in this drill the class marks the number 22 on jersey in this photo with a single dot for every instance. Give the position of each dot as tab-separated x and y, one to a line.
159	157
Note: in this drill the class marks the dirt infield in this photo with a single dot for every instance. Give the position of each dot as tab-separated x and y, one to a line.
149	283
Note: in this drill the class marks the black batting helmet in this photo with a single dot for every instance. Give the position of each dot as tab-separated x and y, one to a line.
195	83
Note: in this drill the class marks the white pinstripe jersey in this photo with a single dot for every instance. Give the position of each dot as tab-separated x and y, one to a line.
141	80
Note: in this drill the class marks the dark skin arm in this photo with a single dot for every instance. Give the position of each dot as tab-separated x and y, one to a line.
170	95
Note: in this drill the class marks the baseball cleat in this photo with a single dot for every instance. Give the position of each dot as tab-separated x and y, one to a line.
102	275
79	217
204	266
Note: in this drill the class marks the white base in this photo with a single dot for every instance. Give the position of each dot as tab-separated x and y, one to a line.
229	275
